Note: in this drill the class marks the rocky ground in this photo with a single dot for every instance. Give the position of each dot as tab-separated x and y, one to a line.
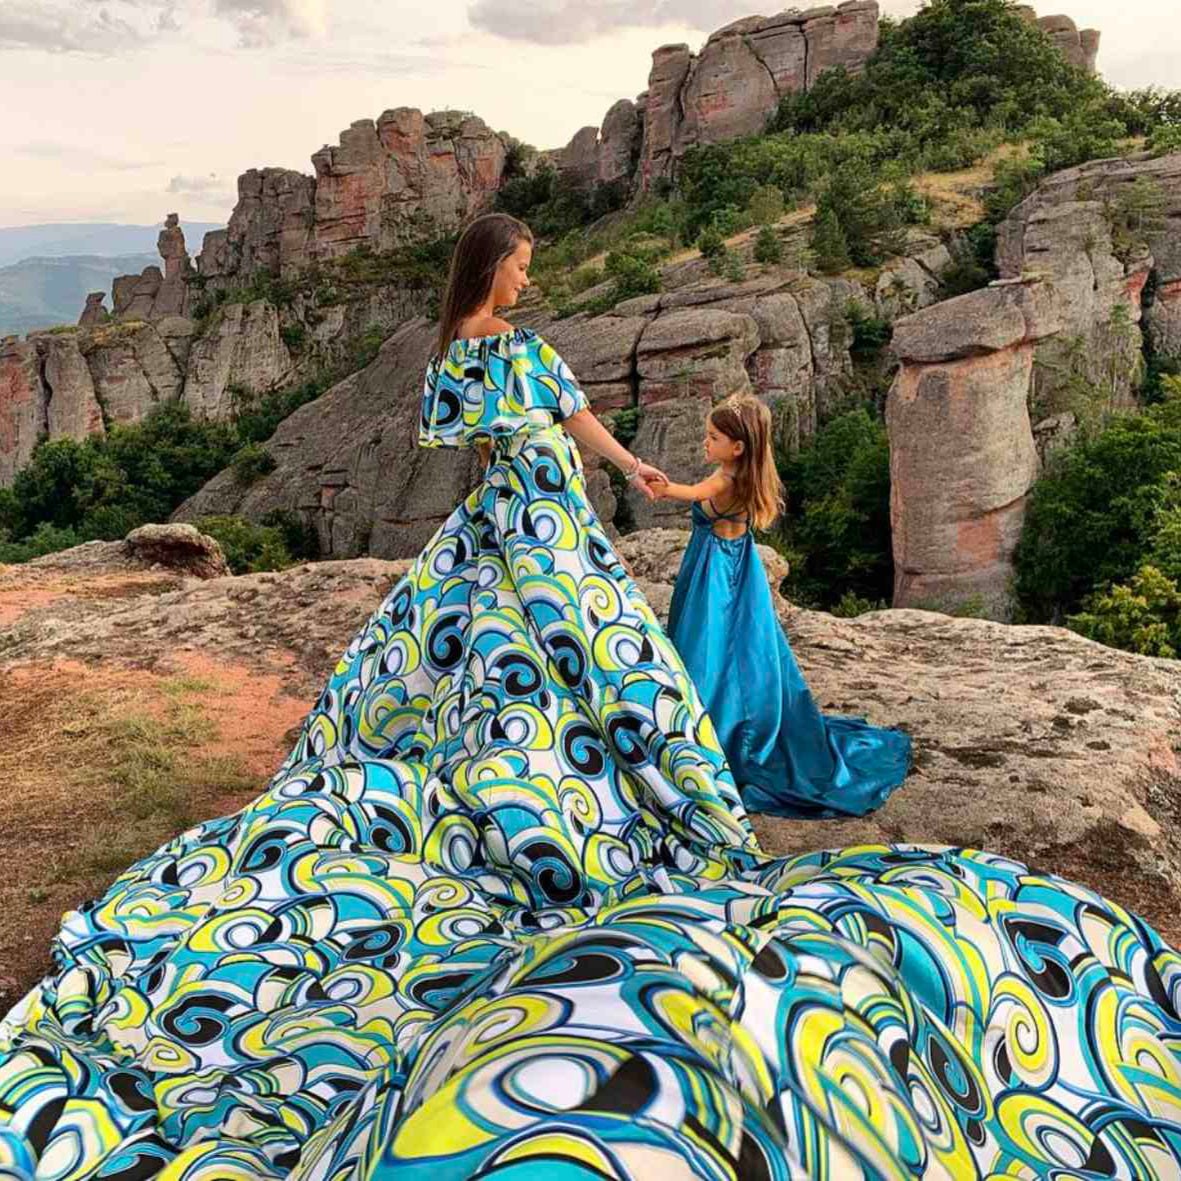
137	697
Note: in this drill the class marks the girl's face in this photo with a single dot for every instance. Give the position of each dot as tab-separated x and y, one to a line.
720	448
512	276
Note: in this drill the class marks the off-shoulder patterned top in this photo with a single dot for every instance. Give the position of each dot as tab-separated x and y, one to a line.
490	387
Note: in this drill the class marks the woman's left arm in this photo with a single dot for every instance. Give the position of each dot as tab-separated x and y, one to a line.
590	432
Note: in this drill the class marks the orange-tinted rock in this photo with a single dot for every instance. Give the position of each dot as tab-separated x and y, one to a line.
23	405
962	453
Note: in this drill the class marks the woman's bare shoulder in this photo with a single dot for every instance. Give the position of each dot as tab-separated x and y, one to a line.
484	326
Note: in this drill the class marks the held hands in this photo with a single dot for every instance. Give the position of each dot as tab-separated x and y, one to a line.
649	480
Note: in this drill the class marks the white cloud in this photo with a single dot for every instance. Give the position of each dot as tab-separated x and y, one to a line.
62	26
567	22
78	156
263	22
211	183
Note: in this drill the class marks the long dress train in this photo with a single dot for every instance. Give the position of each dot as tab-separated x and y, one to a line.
788	758
501	914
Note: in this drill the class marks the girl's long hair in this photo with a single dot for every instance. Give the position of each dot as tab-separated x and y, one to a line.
481	248
757	488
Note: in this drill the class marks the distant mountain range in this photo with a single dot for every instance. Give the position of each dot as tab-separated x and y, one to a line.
41	292
46	271
57	239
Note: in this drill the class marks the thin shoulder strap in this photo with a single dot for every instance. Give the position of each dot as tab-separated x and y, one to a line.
719	516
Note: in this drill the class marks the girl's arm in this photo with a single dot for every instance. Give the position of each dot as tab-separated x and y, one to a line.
485	451
706	489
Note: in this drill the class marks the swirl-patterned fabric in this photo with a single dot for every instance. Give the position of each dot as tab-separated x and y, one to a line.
501	914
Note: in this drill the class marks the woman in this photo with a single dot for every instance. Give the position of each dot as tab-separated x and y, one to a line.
500	914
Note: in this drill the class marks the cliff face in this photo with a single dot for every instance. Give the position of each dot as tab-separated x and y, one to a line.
386	183
406	176
987	377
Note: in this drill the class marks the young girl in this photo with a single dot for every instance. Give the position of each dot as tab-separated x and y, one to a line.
788	758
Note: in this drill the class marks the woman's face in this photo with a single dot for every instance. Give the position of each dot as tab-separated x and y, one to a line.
512	276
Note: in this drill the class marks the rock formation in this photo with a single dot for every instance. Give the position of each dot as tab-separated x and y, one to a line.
733	86
177	547
963	450
22	405
94	312
344	463
388	182
962	454
1080	47
153	294
1098	187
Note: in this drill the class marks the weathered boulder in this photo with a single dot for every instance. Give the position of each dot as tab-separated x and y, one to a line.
241	351
94	312
911	283
843	36
1080	48
729	92
179	547
662	114
962	454
73	409
619	143
171	247
270	229
1098	296
1111	184
136	365
23	405
388	180
347	463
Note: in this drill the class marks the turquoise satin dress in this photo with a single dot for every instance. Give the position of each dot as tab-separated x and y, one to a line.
788	758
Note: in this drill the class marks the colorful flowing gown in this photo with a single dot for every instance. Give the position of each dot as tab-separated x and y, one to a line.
788	758
501	914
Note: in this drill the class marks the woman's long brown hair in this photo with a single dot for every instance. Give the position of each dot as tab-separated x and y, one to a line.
481	248
757	488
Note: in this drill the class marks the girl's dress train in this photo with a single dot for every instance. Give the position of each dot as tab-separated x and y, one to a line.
501	914
788	758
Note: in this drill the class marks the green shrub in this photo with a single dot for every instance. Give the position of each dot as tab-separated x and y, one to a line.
300	538
852	605
711	243
46	539
253	462
972	265
249	548
838	518
766	205
1013	180
1141	616
871	333
632	276
768	246
869	212
828	243
1165	140
1094	517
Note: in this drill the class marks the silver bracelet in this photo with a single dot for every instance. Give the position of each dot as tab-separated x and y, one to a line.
630	476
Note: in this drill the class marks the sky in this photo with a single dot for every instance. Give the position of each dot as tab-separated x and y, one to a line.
125	110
